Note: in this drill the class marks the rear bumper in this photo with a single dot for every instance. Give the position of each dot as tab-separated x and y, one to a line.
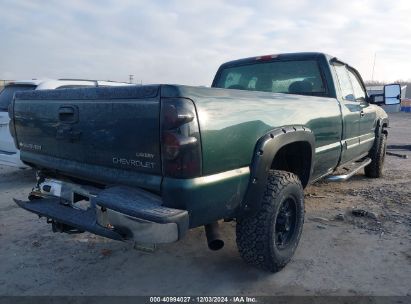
82	220
118	213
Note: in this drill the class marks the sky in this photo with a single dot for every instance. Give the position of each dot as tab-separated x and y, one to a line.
184	42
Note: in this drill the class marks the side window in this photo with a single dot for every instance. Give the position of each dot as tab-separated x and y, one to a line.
345	83
359	92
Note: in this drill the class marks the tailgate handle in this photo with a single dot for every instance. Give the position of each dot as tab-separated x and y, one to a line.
68	114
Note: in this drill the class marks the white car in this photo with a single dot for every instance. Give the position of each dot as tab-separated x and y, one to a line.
9	154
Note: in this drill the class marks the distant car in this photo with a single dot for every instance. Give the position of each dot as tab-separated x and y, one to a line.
9	155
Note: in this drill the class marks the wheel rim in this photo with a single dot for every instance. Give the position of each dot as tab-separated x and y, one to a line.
285	224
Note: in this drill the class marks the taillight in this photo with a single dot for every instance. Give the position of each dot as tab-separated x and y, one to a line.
180	139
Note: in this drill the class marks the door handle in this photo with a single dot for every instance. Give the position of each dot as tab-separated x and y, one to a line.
362	113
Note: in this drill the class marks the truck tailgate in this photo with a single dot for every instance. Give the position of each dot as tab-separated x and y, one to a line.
106	128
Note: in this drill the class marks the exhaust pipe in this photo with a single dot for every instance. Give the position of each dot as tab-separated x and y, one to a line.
214	240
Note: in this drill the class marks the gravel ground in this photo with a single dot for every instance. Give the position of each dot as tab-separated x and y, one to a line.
339	253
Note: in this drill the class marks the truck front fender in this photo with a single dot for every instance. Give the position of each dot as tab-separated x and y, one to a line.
264	153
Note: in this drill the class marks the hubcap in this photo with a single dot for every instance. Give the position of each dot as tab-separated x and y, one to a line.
285	224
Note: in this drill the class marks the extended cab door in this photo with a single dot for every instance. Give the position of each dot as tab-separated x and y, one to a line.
351	115
367	114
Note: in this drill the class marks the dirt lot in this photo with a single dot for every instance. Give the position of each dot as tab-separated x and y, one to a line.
339	254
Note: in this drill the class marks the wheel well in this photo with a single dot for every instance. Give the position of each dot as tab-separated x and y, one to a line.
296	158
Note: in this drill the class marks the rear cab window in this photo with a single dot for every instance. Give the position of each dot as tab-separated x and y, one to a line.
290	77
6	95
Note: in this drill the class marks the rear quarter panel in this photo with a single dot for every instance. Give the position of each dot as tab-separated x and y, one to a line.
231	122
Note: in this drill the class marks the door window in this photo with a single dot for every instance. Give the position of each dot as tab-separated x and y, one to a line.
345	83
359	91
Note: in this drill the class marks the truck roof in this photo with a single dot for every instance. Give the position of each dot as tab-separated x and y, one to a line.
285	56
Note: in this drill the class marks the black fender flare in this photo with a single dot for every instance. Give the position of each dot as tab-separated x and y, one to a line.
264	153
380	126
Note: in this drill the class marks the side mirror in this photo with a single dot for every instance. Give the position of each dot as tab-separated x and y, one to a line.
377	99
392	94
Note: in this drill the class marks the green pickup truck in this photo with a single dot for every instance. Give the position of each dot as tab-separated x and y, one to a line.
146	163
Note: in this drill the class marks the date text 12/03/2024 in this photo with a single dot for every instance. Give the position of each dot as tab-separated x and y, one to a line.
203	299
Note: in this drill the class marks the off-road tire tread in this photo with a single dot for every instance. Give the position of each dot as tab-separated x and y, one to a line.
252	232
377	155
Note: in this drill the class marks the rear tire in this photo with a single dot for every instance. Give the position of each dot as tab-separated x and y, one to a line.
377	155
269	238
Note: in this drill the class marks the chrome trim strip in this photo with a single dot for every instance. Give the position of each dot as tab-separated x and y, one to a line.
221	176
328	147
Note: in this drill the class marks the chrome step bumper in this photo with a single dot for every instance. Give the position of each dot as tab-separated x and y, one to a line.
119	213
